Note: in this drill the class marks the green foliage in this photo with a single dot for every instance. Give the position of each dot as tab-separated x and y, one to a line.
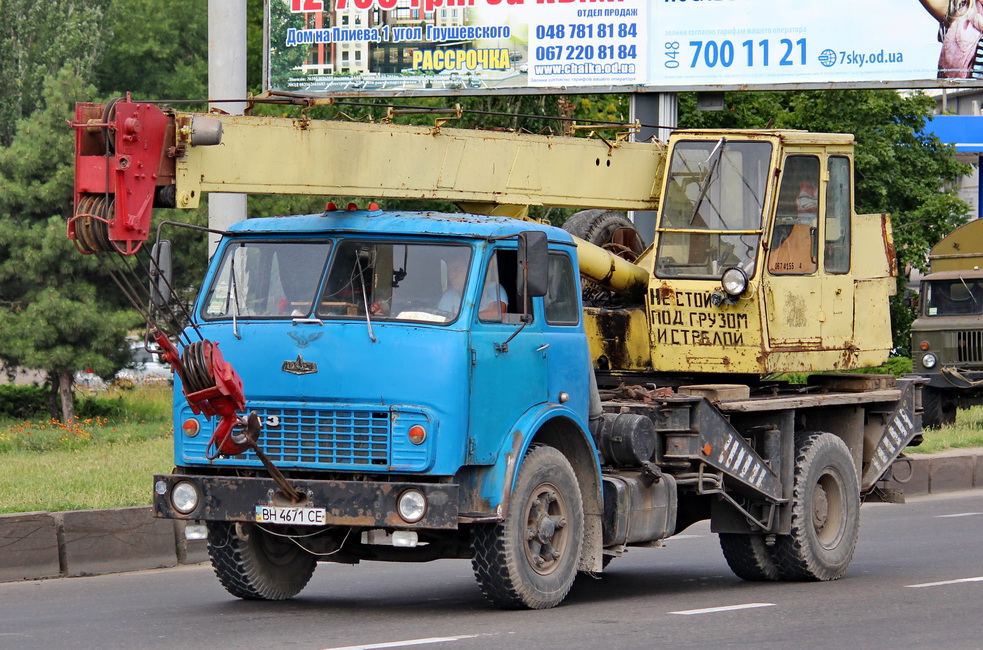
158	50
36	40
20	402
55	311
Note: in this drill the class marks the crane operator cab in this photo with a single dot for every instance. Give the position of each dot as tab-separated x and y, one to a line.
756	267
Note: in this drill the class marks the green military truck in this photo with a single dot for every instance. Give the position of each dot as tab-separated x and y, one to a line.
947	335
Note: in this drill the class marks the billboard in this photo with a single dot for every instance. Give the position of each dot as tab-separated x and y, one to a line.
475	46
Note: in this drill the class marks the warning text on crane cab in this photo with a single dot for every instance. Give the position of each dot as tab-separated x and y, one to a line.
690	318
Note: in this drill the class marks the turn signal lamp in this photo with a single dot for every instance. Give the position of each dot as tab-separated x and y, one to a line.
191	427
924	345
417	434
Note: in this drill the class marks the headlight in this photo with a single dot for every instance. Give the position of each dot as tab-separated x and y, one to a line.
184	497
929	360
412	505
734	281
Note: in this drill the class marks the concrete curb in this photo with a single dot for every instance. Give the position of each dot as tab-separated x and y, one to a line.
37	545
91	542
948	471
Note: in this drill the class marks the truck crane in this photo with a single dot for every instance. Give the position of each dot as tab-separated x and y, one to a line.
408	386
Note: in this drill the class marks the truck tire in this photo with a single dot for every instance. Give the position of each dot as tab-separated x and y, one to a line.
256	565
749	557
936	410
529	560
825	511
598	227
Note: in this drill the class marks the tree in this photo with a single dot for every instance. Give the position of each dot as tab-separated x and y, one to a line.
900	167
55	312
38	39
158	50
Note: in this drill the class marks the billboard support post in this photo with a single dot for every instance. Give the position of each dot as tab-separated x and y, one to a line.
658	113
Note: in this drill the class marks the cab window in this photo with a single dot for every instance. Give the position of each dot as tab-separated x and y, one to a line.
838	203
264	279
562	307
794	243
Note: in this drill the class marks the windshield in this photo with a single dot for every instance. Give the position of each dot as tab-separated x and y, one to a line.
712	210
396	280
263	279
956	297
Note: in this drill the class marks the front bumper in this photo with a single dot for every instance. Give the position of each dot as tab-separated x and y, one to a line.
954	379
348	503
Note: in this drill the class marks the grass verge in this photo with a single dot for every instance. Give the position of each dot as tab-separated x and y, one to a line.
93	463
109	462
966	432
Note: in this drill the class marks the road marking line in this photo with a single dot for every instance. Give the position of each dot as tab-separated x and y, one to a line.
409	642
728	608
686	536
946	582
959	514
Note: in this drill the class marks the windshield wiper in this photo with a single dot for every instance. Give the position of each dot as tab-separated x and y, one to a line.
235	297
365	295
968	290
705	185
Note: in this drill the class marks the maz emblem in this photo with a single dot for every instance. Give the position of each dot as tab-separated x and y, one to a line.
303	340
299	367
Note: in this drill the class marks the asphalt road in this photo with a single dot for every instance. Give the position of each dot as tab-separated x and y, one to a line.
916	582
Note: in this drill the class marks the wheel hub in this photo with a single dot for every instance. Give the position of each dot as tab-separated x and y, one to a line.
820	508
545	523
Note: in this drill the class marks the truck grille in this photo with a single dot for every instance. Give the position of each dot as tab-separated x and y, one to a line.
338	438
969	346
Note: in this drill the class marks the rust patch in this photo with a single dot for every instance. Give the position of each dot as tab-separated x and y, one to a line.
664	294
892	260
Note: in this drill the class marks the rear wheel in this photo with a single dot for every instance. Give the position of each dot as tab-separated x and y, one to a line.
825	511
748	556
254	564
529	561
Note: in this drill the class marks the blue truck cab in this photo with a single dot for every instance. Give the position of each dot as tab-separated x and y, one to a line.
399	375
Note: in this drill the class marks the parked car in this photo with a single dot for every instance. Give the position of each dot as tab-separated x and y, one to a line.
143	367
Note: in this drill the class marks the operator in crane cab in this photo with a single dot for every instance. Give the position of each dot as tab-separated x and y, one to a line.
494	299
796	253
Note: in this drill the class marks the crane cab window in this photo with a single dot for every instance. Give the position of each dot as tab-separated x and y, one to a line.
794	246
712	211
838	202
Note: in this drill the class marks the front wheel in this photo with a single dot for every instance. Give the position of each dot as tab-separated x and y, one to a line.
254	564
529	560
936	409
825	511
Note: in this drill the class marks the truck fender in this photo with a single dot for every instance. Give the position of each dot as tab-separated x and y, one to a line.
490	486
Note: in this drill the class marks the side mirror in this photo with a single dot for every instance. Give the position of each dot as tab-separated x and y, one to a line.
533	266
161	272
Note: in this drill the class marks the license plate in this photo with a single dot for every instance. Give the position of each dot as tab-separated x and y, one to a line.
295	516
